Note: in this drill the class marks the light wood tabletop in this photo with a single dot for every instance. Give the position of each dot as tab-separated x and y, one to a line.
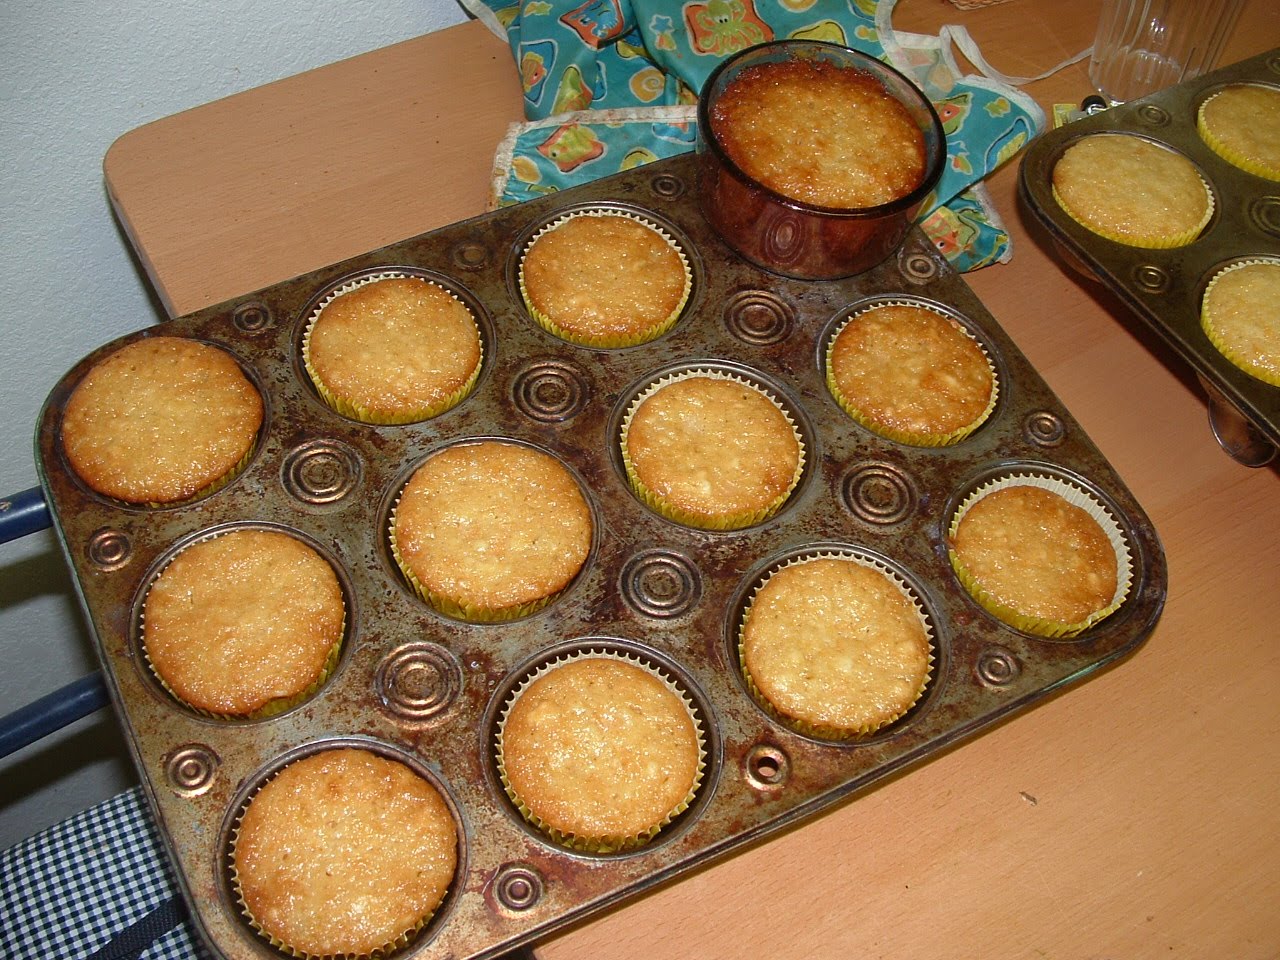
1136	815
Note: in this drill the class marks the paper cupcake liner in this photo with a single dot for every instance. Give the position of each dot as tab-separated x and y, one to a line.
269	709
724	521
1077	497
1229	153
909	437
391	946
1248	364
358	411
1146	242
824	731
608	340
457	607
607	844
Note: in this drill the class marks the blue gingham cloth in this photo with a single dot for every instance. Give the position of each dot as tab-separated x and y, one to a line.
97	886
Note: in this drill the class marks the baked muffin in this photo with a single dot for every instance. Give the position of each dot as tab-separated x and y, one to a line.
835	646
160	421
911	374
343	853
244	624
397	349
1240	315
821	133
599	752
604	279
1037	560
711	451
491	530
1241	124
1132	191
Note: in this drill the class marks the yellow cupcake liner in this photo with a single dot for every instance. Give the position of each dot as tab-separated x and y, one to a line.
825	731
1248	364
1076	496
348	407
1151	241
610	340
398	942
724	521
272	707
1229	153
456	607
607	844
909	437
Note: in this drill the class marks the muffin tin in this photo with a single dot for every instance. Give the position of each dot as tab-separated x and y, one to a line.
414	684
1165	287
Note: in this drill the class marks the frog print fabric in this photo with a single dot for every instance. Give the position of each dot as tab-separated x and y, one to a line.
611	84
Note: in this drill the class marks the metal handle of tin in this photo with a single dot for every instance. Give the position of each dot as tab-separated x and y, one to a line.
52	712
23	513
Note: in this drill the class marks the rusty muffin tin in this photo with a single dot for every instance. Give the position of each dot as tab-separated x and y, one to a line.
427	689
1165	287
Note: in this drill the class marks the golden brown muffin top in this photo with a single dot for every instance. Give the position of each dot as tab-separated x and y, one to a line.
604	276
396	346
1132	190
343	852
241	620
820	133
599	748
713	447
160	420
1034	552
1242	307
835	643
493	524
1242	123
909	369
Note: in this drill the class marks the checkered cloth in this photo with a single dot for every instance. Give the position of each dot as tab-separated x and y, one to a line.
95	887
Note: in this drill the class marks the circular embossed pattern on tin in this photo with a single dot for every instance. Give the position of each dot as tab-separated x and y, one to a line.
163	420
343	853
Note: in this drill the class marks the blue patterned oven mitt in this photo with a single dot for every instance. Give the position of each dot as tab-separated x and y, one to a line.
611	84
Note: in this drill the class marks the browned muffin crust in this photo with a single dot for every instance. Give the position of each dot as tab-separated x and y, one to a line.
820	133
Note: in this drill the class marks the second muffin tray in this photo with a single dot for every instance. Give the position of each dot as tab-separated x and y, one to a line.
1165	287
426	689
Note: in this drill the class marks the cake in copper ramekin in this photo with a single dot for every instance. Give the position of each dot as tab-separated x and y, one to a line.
814	158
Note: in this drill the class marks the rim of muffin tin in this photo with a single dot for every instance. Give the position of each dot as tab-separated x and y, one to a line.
937	628
1010	469
88	363
615	647
137	648
391	270
999	370
390	498
773	388
687	249
222	862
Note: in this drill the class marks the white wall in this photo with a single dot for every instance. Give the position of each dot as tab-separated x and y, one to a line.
74	76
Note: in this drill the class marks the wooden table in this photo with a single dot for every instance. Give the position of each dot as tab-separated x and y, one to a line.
1137	815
